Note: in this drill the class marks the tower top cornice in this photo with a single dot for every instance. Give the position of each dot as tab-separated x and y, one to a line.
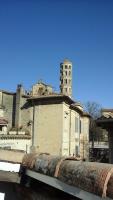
66	61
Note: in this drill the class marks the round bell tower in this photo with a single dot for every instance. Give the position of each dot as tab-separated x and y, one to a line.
66	78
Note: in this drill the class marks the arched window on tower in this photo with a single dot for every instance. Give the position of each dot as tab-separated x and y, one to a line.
69	73
65	81
66	73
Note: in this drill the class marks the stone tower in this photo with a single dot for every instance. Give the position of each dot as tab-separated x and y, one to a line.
19	93
66	78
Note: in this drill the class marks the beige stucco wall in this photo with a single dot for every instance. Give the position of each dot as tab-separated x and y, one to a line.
54	130
75	136
84	138
48	128
70	137
72	140
66	129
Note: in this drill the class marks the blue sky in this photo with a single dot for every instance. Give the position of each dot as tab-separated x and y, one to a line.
36	35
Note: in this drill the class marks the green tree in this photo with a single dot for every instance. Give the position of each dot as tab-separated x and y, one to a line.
94	109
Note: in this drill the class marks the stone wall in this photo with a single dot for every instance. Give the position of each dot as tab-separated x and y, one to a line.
48	128
8	101
26	115
41	89
22	110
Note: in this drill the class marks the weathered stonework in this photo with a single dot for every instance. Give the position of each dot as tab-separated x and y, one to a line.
47	121
8	104
66	78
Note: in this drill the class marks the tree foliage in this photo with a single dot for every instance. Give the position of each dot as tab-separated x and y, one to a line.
93	108
95	133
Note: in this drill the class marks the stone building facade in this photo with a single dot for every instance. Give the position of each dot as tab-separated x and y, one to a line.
51	123
12	134
59	126
43	120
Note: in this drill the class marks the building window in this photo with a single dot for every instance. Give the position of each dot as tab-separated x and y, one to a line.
69	66
65	89
77	150
69	81
61	72
76	124
80	126
66	67
66	73
69	73
65	81
61	66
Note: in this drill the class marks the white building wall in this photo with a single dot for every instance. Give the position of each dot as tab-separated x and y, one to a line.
84	138
19	144
75	141
75	136
70	138
66	130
